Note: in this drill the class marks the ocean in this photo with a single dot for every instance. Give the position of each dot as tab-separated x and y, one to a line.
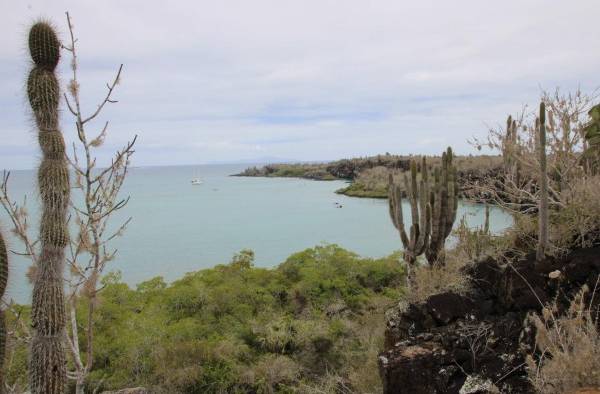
178	227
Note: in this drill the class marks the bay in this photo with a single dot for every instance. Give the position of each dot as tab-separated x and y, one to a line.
178	227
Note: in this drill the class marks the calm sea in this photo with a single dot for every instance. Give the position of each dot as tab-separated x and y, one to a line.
178	227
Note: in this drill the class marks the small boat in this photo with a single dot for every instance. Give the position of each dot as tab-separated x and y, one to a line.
196	179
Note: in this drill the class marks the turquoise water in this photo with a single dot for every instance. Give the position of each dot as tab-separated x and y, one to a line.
178	227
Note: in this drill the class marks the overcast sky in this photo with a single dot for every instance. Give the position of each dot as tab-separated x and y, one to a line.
222	81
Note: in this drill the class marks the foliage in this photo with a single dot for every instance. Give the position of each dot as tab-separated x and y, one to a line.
565	123
430	280
372	182
472	244
241	328
569	346
578	223
592	128
340	169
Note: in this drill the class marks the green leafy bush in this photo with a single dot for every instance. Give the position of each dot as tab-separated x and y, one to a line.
240	328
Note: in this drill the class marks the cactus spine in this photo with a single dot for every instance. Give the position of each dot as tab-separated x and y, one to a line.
433	212
543	204
47	365
444	202
417	241
3	282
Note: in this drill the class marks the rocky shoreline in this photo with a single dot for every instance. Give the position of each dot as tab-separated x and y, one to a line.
367	177
345	169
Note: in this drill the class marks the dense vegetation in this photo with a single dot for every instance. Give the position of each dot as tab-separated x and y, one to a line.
368	176
315	321
347	169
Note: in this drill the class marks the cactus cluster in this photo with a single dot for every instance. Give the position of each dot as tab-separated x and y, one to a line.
433	210
510	150
3	282
47	367
444	203
416	241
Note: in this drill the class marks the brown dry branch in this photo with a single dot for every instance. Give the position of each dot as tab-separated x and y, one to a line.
566	118
518	187
90	250
17	214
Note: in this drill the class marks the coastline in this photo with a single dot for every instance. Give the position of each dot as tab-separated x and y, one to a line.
367	177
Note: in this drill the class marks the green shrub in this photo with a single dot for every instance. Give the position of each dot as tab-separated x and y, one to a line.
240	328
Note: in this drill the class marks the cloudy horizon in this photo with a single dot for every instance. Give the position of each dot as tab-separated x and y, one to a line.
233	81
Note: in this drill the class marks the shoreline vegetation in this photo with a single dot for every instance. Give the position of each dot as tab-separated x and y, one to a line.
368	176
313	322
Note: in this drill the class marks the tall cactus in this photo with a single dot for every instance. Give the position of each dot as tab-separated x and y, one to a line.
509	144
47	366
418	239
433	212
543	204
3	282
444	202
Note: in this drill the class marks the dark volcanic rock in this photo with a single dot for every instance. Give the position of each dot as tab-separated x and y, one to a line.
447	307
431	347
419	369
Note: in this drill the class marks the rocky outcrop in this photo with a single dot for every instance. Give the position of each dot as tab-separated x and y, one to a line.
350	168
347	169
453	343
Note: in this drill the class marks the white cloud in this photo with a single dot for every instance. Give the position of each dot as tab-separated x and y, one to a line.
313	79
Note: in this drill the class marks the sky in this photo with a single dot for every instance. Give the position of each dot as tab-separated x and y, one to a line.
228	81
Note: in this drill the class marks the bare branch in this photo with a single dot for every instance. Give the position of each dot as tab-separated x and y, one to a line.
18	216
107	99
89	251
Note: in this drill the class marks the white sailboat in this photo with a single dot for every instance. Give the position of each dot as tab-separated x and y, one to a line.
196	180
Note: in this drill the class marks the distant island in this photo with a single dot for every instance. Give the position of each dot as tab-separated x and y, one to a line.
368	176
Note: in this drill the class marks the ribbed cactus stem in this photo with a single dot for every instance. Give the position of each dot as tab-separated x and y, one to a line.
510	148
417	192
505	144
3	283
433	210
486	224
3	266
444	203
543	204
47	365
